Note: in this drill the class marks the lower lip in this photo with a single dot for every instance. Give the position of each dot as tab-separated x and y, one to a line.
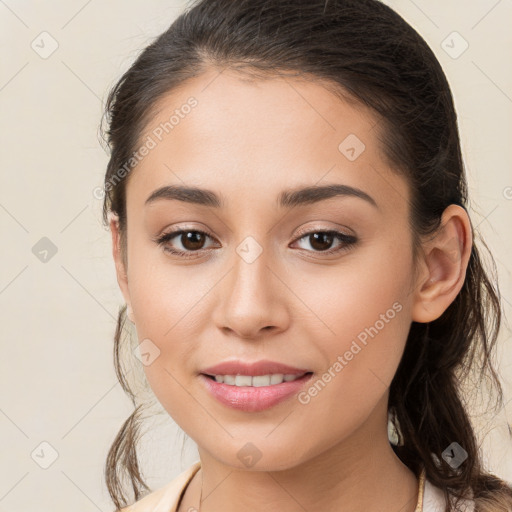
253	399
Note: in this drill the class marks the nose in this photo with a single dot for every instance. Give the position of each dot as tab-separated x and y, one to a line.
252	300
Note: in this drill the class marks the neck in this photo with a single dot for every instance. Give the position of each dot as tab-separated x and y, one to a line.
362	473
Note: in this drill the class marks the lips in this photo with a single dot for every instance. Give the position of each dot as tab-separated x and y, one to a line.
263	367
230	383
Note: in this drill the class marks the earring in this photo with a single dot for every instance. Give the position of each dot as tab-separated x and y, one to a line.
392	430
129	312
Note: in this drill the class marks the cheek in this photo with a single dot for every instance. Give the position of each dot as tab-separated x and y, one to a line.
166	296
364	314
361	357
169	305
367	288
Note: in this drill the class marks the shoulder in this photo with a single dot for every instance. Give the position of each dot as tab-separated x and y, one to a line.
434	500
166	498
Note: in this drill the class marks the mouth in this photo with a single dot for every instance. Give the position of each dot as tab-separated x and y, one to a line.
255	381
254	393
261	368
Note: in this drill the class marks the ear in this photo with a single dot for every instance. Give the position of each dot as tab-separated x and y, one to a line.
445	259
121	271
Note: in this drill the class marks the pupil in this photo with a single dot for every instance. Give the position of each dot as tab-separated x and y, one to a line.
193	240
317	240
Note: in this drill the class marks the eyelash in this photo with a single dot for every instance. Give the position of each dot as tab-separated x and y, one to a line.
347	240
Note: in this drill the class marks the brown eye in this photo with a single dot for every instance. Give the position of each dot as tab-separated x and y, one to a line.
188	242
322	241
192	240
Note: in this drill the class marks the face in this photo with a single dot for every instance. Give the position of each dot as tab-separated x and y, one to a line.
321	285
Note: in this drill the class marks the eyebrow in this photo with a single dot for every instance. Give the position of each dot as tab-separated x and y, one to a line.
286	199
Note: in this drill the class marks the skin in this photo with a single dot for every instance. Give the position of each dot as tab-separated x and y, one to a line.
249	140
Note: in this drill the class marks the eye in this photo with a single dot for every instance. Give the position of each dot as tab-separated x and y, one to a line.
321	241
191	241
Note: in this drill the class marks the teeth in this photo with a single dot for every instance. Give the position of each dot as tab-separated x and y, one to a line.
257	380
243	380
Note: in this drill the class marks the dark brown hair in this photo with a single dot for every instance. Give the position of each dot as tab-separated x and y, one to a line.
368	53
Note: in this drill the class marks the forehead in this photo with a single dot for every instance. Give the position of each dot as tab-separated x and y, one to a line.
254	138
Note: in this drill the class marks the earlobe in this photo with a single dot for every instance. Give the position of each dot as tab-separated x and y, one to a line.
121	271
445	260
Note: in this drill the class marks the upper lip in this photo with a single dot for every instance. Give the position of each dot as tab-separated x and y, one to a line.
257	368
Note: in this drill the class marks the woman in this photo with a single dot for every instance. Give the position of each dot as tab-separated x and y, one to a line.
287	201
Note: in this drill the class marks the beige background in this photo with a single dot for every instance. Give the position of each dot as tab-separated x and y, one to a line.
58	317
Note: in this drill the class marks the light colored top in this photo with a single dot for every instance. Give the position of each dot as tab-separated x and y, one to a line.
166	498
